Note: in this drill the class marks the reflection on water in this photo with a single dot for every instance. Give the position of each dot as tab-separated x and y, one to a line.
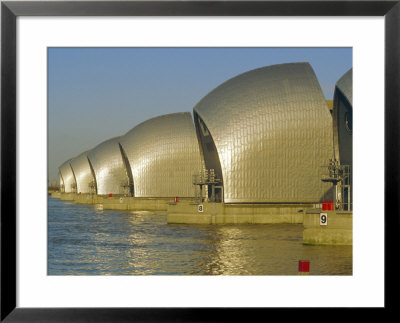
83	240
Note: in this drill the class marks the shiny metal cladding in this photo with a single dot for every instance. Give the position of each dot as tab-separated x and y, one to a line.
267	133
345	85
109	168
83	174
61	181
343	119
68	177
163	154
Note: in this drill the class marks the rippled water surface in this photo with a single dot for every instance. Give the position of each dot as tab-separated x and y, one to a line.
83	240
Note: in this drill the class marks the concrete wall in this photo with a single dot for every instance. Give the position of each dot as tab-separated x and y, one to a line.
338	231
56	194
117	202
67	196
136	203
219	213
87	199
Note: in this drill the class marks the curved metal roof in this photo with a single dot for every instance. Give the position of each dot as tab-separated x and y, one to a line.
109	168
343	119
163	154
68	177
345	85
83	173
272	131
61	181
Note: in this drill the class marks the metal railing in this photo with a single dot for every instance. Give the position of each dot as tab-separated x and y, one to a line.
207	179
341	177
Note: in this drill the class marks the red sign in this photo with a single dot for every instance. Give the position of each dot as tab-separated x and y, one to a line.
327	206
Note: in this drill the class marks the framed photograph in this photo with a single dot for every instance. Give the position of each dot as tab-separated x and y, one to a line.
50	46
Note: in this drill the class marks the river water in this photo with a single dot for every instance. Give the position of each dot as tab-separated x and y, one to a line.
83	240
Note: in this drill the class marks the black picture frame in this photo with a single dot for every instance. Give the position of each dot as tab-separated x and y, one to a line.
10	10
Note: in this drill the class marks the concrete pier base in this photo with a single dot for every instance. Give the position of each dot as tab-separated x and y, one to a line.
56	195
118	202
219	213
67	196
87	199
136	203
338	231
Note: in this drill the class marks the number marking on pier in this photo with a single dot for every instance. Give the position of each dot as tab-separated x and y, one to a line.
323	219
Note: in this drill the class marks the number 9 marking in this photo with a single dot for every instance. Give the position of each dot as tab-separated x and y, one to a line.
323	219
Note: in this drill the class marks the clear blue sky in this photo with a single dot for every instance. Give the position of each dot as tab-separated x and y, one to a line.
98	93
